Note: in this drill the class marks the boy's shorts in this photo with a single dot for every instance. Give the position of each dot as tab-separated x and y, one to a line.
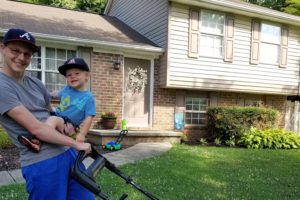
50	179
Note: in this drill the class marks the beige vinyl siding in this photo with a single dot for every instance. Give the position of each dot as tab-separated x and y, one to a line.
162	70
239	76
147	17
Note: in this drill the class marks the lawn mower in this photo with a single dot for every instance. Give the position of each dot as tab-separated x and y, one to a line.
116	145
87	177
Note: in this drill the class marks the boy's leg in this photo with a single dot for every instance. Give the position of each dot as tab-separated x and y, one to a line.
32	143
61	125
56	122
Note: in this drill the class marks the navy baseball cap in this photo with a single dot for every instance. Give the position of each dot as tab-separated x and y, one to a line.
14	35
72	63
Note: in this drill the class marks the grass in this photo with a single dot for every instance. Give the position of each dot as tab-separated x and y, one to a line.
197	172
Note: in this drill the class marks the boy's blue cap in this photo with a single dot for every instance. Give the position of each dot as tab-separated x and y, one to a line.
71	63
14	35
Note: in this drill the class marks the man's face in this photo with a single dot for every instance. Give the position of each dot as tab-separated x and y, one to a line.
17	57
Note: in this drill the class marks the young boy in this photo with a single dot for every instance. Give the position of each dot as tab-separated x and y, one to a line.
77	105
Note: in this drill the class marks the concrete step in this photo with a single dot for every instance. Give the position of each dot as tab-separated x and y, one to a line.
101	136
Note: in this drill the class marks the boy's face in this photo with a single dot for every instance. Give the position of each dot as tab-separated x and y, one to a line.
76	78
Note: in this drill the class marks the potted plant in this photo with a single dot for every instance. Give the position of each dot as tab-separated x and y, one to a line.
108	119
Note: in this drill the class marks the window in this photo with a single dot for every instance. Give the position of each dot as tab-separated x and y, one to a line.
195	110
1	57
270	43
253	102
45	63
212	33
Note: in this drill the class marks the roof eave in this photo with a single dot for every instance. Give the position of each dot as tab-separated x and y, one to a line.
96	43
244	9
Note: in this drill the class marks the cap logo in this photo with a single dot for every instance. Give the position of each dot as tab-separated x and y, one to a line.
25	35
72	61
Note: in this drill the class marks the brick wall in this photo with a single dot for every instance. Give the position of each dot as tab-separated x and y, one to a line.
163	104
106	84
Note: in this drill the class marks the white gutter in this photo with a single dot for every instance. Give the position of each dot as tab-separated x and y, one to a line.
94	43
244	9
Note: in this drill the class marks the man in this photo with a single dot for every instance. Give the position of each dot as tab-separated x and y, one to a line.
24	103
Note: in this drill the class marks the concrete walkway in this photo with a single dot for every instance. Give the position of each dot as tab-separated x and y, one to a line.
137	152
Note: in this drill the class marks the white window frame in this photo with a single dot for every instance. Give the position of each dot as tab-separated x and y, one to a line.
268	56
43	69
198	112
203	52
253	102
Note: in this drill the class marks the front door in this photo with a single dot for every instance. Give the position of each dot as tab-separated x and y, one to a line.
137	92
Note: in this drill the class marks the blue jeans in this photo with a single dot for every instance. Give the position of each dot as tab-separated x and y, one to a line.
50	179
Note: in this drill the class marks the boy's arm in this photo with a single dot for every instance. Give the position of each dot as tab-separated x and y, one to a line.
43	131
84	129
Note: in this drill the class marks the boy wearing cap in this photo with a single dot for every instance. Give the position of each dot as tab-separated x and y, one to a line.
24	111
77	105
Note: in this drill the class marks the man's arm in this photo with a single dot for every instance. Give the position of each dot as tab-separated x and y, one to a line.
43	131
84	129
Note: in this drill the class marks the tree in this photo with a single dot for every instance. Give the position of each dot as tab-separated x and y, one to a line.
292	7
273	4
287	6
95	6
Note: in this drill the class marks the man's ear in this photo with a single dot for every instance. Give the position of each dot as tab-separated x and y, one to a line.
1	47
1	53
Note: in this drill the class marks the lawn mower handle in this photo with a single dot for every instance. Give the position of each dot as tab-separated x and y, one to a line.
87	177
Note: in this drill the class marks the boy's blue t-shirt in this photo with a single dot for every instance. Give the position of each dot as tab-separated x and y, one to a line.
76	105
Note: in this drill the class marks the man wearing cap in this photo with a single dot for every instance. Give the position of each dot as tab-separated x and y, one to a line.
23	110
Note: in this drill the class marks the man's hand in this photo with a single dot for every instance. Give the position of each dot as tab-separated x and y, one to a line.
84	147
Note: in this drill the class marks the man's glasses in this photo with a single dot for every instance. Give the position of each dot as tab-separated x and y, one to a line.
17	52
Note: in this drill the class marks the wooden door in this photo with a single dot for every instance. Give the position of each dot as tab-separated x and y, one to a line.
137	92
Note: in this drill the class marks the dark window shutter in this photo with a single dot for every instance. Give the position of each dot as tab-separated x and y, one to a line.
255	41
194	34
229	39
283	46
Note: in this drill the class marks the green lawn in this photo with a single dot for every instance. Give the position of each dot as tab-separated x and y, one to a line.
195	172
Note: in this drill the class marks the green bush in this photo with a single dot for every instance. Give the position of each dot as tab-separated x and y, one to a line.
271	139
5	141
203	141
228	122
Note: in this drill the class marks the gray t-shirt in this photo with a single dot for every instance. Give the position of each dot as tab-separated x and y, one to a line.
32	94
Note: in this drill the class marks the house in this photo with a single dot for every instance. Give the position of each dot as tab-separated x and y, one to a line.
154	60
106	43
216	53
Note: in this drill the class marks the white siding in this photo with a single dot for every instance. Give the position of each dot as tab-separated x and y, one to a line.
147	17
239	76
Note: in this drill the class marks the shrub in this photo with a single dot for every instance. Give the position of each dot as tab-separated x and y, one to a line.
271	139
227	122
5	141
230	142
203	141
217	141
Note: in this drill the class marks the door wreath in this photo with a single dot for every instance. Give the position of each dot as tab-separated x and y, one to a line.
137	79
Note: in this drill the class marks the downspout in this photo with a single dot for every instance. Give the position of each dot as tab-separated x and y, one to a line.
107	7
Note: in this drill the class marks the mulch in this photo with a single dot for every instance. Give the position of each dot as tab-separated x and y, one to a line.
9	159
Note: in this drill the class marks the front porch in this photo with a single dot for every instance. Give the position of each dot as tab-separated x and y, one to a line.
101	136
